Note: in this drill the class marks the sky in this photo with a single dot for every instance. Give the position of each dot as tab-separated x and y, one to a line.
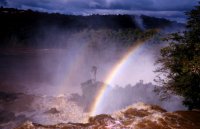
160	8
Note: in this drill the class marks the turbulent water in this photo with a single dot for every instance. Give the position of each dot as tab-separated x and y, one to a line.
138	116
19	108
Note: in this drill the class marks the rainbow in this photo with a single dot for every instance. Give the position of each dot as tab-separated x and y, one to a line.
99	97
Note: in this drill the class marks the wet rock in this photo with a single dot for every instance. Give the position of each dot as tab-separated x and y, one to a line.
6	116
8	97
157	108
102	120
130	113
52	111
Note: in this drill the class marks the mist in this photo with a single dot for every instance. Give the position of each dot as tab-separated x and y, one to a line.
62	70
52	76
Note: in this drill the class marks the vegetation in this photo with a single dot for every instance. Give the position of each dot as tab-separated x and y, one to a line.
180	63
27	28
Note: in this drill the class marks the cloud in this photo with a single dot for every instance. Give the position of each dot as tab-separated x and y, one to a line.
147	5
88	7
3	3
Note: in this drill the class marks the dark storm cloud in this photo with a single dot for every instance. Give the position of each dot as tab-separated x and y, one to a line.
70	5
170	9
3	3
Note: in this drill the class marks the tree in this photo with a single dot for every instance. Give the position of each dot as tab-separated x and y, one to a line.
179	64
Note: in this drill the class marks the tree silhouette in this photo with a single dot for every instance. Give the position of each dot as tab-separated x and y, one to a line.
180	62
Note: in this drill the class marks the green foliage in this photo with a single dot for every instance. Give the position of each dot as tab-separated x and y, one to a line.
180	63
